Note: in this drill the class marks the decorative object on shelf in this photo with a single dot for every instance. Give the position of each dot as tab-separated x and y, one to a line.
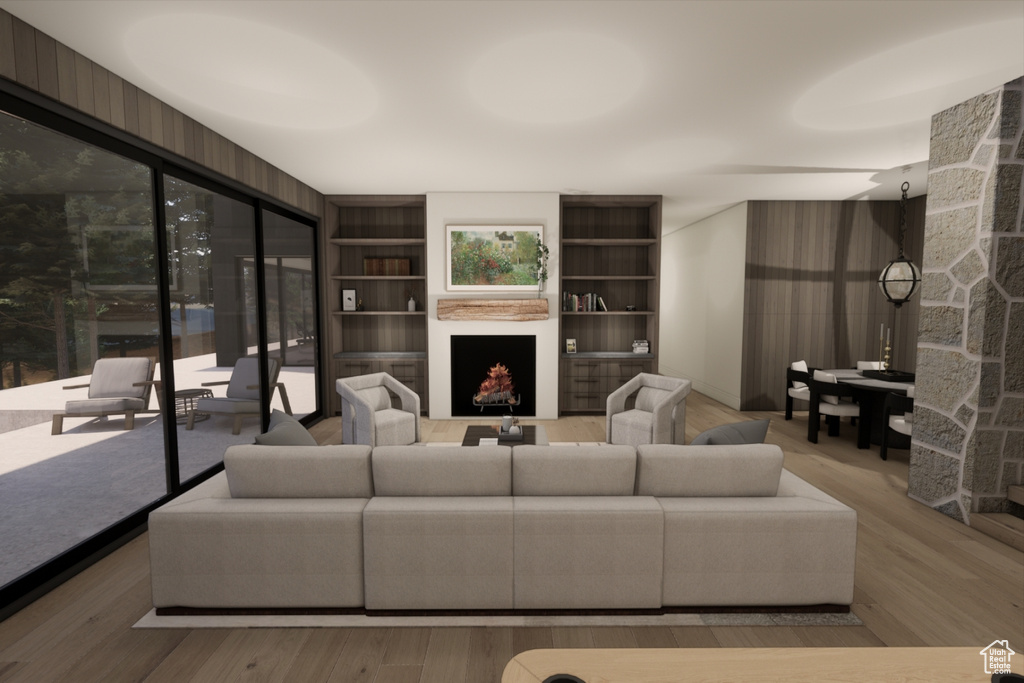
359	305
493	257
348	299
641	346
411	304
630	308
901	278
542	267
386	266
570	346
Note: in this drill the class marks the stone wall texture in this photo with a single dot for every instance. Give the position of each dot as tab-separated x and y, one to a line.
968	441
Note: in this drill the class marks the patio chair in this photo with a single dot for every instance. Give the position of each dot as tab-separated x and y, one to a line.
659	415
243	393
118	386
367	416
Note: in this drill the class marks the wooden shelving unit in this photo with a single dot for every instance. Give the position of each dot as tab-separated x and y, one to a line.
384	336
611	246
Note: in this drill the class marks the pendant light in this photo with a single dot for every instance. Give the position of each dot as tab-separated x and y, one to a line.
900	279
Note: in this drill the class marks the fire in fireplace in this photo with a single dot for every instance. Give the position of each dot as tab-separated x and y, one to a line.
494	374
497	389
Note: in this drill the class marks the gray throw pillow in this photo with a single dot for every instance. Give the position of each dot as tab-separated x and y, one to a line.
751	431
279	417
287	434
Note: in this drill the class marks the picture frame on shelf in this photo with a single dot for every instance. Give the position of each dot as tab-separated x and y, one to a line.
494	258
348	299
570	346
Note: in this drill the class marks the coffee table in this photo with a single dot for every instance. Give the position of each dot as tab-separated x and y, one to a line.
532	434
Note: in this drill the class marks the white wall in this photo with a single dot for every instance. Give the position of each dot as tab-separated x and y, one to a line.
702	283
511	208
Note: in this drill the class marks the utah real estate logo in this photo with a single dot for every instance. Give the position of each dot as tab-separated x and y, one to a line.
997	657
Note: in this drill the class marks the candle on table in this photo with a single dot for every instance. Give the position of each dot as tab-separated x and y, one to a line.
888	336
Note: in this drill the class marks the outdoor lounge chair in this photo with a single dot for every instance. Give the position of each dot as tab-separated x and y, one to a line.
118	386
243	394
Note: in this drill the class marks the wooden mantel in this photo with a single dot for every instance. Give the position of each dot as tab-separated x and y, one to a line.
492	309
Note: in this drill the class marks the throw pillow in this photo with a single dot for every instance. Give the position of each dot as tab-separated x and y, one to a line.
279	417
752	431
823	376
287	434
801	366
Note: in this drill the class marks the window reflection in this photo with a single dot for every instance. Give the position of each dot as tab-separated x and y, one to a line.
77	285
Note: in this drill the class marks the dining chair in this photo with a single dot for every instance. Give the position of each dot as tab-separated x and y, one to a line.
827	399
797	377
898	416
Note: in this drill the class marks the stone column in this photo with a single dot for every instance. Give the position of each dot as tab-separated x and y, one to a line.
968	440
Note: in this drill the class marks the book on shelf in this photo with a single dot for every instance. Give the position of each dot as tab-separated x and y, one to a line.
641	346
588	302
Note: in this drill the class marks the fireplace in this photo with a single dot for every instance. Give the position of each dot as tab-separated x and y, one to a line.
494	375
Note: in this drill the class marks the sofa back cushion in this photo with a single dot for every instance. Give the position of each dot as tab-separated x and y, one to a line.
573	470
298	471
741	470
442	470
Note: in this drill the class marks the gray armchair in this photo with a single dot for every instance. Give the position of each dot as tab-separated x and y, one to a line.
659	415
367	416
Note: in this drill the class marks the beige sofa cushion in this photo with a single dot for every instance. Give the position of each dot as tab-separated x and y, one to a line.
588	552
211	551
298	471
739	470
435	552
579	471
797	548
442	471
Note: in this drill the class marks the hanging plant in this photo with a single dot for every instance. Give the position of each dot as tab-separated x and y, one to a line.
542	267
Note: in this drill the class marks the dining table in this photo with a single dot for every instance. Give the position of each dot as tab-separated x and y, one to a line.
869	392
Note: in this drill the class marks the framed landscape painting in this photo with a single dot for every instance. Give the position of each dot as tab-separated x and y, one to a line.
493	257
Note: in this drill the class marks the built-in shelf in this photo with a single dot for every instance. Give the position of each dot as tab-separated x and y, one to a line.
378	277
375	242
361	313
610	250
385	336
416	355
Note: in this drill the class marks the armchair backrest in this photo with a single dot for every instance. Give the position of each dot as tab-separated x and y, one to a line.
121	378
377	398
649	397
246	374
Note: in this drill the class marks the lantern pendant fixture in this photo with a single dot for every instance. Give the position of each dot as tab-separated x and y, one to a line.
900	279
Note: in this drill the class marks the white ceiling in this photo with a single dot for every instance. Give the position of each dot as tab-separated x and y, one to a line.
708	103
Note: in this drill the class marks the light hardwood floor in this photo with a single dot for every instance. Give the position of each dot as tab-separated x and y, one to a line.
922	580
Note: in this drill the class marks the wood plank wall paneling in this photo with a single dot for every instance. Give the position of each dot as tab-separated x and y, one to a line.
38	62
811	289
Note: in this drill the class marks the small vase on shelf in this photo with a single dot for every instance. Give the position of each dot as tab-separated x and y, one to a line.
411	304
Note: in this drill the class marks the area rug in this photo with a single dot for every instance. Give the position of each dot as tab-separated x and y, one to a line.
152	620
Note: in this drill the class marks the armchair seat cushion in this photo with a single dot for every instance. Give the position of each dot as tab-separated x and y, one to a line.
395	426
103	405
632	427
803	393
901	424
841	409
227	405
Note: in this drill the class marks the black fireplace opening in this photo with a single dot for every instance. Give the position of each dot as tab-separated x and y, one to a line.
494	375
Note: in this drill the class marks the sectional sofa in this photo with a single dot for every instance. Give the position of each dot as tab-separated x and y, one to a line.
410	528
